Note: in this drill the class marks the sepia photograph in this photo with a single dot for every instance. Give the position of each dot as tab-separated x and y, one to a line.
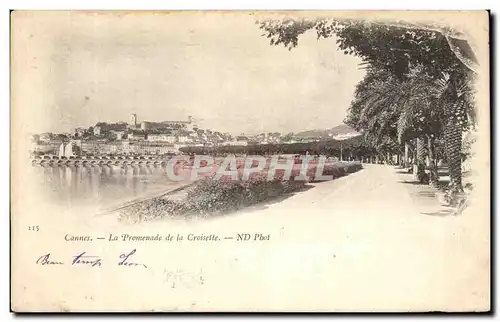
250	161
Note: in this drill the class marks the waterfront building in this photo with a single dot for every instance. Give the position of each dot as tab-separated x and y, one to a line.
184	139
236	143
161	138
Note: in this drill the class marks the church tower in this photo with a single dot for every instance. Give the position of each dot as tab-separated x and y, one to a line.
133	119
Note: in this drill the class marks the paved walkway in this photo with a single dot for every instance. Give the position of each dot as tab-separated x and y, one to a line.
357	242
363	242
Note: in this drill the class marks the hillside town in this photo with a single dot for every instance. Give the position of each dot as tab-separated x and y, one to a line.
164	137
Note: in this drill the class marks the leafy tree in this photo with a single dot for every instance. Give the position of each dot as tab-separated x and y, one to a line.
287	137
398	50
60	137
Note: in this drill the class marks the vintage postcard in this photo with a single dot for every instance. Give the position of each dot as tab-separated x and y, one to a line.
250	161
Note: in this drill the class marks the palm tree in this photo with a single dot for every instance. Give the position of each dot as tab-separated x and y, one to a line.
423	107
374	110
440	107
456	97
386	108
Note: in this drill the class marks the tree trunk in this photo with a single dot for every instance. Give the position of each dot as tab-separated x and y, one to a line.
434	177
453	147
420	151
419	160
413	154
406	159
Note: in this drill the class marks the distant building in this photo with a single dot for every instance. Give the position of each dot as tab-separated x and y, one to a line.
242	138
120	126
79	132
151	126
147	147
161	138
184	139
45	137
235	143
345	136
136	136
102	128
97	130
133	119
126	146
119	135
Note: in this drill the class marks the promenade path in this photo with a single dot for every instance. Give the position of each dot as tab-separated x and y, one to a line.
365	242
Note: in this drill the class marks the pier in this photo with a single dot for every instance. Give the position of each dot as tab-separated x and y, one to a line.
83	161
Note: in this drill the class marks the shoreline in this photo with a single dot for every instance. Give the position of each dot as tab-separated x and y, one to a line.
146	197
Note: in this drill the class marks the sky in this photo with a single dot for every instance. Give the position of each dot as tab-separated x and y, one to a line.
82	68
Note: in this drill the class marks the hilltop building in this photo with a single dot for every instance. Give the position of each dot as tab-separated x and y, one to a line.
133	119
168	125
103	128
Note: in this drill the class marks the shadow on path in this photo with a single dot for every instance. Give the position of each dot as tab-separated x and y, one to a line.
274	200
443	212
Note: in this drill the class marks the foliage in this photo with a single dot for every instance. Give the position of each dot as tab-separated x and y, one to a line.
385	106
396	49
327	147
404	67
419	76
209	197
